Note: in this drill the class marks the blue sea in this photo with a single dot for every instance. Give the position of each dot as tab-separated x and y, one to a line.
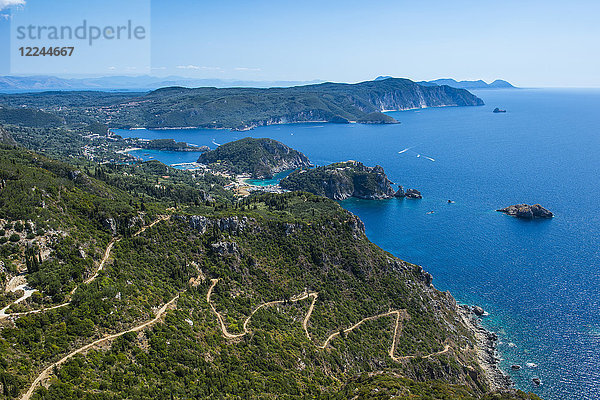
538	280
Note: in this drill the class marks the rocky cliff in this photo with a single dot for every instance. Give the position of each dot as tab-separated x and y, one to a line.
342	180
247	108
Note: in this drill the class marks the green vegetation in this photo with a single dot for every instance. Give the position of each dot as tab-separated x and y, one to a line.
384	387
261	158
28	117
167	144
341	180
261	248
244	108
376	118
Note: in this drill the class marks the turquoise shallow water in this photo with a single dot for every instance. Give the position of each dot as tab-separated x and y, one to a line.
539	280
267	182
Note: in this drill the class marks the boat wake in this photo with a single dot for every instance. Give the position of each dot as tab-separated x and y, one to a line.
215	143
405	150
424	156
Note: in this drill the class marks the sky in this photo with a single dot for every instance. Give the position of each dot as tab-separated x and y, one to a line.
529	43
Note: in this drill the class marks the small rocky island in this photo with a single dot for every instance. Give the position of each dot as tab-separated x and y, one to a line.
409	193
527	211
260	158
342	180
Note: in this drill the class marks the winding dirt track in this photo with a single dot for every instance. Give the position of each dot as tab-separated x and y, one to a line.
3	315
400	316
228	335
47	372
308	314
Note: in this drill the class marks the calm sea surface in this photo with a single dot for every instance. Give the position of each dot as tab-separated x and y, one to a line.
539	280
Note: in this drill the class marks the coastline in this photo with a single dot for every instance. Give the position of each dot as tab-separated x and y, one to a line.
486	349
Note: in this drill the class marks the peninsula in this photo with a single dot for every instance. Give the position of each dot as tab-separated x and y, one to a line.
261	158
243	108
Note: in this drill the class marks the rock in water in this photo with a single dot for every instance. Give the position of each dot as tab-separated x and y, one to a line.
526	211
413	194
478	311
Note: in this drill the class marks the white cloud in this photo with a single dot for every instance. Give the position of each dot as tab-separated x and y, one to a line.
248	69
197	67
159	68
8	3
188	67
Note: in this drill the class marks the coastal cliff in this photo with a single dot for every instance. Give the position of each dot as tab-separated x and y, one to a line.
243	108
342	180
283	292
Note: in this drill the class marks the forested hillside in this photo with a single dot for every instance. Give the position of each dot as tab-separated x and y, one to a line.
151	294
241	108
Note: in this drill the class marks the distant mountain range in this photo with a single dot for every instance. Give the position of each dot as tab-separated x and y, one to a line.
238	108
134	83
478	84
147	82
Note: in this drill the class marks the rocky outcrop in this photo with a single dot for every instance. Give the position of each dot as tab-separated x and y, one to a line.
6	138
228	224
486	349
356	225
111	225
225	248
409	193
340	181
526	211
478	311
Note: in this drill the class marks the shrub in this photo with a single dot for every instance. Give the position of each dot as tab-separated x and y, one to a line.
19	226
14	237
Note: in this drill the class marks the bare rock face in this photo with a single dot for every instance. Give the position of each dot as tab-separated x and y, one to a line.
227	224
527	211
357	226
111	225
6	138
225	248
340	181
